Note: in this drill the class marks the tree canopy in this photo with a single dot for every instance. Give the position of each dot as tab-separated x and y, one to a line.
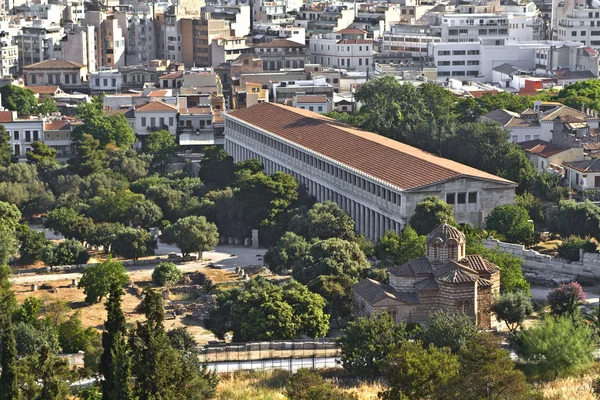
16	98
429	213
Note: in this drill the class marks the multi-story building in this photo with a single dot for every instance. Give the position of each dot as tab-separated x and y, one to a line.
578	23
155	115
79	45
346	48
412	39
360	172
196	128
57	134
282	53
470	27
9	62
317	103
68	75
238	16
106	80
110	39
38	42
136	76
227	49
324	17
23	131
140	43
204	31
284	92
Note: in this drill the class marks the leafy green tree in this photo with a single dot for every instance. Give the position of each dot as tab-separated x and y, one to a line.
429	213
134	243
331	257
305	384
366	343
129	163
449	330
181	339
160	370
8	245
512	222
8	348
575	218
263	311
104	235
16	98
324	221
29	311
290	248
253	165
102	126
46	105
264	197
68	252
566	299
415	372
166	273
32	244
41	154
569	248
512	308
49	373
9	216
98	280
588	90
557	344
115	361
400	247
216	168
125	207
6	151
69	223
161	145
487	372
192	235
337	291
535	207
73	337
88	157
511	270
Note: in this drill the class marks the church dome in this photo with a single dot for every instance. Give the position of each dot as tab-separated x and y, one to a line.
445	235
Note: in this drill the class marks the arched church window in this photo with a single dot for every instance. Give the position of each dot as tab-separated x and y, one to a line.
460	306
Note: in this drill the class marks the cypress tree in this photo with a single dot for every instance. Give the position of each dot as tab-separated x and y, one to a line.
115	362
9	389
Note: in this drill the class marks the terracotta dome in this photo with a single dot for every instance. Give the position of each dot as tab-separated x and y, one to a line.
445	234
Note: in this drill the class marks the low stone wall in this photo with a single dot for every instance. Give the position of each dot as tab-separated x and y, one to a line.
544	269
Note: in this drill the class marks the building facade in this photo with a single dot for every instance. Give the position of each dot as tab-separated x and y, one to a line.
376	180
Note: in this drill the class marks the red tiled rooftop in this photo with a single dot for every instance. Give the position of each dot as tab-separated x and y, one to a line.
280	43
401	165
542	148
6	116
43	89
57	125
156	106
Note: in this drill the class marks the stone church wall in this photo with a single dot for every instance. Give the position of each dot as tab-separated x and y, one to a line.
545	269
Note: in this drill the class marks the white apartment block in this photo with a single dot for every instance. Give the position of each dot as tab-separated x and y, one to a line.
470	27
412	39
346	48
227	49
239	17
581	25
9	62
23	131
106	80
155	115
110	39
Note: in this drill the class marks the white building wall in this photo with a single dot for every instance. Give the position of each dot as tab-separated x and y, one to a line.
145	120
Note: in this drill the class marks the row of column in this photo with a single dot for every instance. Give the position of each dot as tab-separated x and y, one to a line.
368	221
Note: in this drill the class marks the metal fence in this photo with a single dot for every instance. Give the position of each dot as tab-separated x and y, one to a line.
289	355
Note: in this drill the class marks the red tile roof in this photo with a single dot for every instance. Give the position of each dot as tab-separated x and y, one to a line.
351	31
6	116
401	165
44	89
542	148
352	41
54	64
57	125
172	75
195	110
156	106
280	43
311	99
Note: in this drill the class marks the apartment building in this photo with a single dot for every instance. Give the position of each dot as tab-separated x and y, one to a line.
23	131
9	62
325	17
110	38
464	28
227	49
38	42
580	24
238	16
285	91
79	45
412	39
282	53
155	115
347	48
106	80
140	42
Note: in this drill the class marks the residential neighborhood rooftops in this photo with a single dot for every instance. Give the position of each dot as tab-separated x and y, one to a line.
398	164
584	166
542	148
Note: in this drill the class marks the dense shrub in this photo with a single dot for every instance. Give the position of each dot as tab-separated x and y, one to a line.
569	248
166	273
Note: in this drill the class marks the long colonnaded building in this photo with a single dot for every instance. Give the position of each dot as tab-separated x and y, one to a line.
376	180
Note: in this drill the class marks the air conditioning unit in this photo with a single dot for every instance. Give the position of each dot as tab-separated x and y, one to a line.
197	131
